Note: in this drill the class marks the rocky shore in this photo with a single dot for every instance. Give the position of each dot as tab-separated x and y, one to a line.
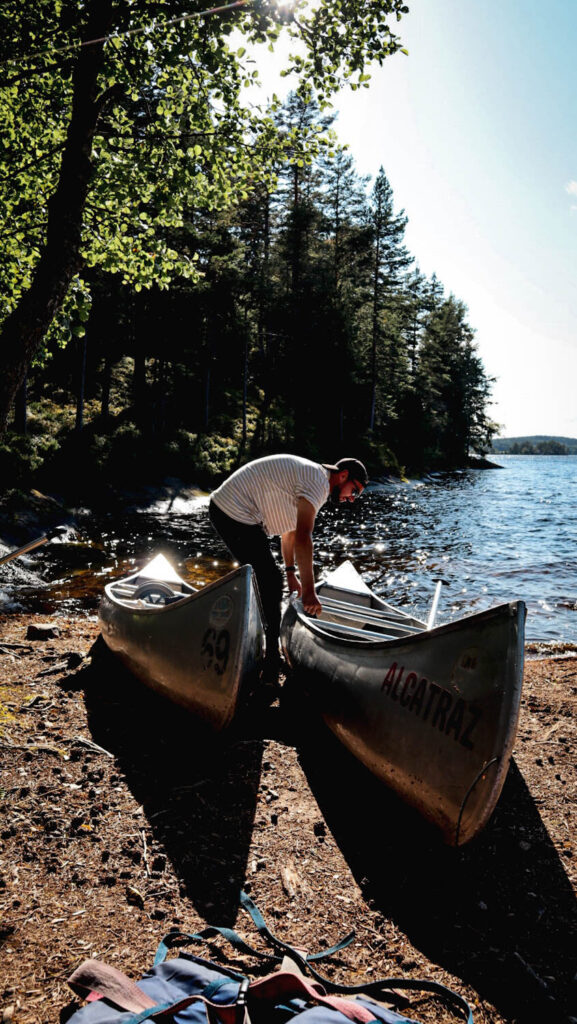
121	820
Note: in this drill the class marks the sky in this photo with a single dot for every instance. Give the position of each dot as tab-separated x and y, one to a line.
476	132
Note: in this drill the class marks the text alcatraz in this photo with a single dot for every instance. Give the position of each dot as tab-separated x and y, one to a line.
453	716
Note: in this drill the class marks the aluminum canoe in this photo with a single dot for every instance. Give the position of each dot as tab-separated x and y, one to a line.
432	713
200	648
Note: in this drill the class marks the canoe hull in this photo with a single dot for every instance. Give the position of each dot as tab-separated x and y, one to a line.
433	715
200	652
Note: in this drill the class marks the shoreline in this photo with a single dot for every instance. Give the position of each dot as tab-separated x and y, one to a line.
536	650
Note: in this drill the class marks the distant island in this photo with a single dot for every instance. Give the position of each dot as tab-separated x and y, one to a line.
538	444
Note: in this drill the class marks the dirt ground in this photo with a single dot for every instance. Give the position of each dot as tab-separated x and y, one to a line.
120	819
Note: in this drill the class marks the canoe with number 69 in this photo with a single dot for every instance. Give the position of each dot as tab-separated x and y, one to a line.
200	648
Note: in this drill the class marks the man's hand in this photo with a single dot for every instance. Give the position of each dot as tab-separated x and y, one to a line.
293	583
311	603
298	546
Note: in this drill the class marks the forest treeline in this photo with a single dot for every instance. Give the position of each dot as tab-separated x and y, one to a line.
310	329
550	447
190	280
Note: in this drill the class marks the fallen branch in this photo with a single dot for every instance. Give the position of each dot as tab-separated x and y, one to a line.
80	741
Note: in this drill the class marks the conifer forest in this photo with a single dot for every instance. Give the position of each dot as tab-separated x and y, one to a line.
189	281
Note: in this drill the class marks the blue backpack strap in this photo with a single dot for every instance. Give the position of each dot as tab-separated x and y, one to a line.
374	987
177	938
147	1014
258	920
407	984
304	962
412	985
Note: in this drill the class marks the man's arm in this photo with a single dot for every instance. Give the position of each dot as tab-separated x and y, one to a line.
287	546
300	541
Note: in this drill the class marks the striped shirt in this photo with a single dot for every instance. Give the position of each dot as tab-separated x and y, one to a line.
267	490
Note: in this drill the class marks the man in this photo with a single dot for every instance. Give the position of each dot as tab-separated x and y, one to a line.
280	495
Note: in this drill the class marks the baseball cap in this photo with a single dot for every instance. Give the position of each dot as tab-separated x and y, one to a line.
355	469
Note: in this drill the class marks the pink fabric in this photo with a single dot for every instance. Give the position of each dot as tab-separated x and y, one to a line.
288	984
94	979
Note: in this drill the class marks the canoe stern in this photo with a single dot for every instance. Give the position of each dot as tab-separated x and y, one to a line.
432	715
201	652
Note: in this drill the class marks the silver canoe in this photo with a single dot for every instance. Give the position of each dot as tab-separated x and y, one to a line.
197	647
431	712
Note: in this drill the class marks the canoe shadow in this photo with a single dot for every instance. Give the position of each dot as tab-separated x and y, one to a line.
198	789
500	913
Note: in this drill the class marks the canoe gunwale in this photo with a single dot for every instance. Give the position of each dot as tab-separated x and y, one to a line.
129	604
313	625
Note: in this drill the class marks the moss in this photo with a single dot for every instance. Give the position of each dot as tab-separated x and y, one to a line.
379	459
21	457
107	456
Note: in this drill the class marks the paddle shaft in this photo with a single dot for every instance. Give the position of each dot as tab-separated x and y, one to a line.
31	545
434	605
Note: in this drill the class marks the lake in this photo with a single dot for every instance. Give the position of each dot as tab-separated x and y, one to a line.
492	535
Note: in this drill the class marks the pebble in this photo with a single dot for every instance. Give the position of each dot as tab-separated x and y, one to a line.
42	631
134	896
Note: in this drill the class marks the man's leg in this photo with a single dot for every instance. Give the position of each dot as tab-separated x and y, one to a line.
250	545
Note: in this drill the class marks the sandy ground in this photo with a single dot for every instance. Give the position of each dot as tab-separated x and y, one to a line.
121	819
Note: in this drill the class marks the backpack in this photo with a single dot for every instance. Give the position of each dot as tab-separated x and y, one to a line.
189	990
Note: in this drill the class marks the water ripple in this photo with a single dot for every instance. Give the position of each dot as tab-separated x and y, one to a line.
492	536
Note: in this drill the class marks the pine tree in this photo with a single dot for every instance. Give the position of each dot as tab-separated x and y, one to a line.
390	261
343	267
454	388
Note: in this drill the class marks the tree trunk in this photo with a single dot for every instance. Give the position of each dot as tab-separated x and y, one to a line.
207	345
21	409
264	280
244	383
139	389
81	388
296	249
106	387
60	260
375	336
158	418
207	394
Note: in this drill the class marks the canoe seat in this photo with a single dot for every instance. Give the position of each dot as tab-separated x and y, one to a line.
157	592
391	627
386	614
326	591
353	632
124	589
148	592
